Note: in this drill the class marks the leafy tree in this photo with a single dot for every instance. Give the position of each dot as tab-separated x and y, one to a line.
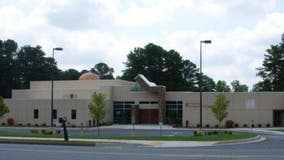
33	66
219	108
70	74
103	70
162	67
221	86
96	108
3	108
190	75
8	49
238	87
83	71
265	85
272	71
208	84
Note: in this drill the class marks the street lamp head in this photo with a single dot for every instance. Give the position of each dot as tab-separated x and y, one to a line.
58	49
206	41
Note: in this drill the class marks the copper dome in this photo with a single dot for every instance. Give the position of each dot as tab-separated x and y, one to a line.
89	76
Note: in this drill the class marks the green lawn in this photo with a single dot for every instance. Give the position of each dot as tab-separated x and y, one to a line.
167	138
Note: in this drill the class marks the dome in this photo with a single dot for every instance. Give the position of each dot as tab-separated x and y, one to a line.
89	76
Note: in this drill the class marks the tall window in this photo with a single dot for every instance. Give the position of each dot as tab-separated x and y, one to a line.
122	111
35	113
73	114
174	112
54	114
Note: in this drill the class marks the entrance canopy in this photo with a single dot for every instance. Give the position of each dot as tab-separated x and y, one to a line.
158	90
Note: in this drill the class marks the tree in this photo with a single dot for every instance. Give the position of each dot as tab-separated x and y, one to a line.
238	87
272	71
208	84
33	66
97	108
3	108
265	85
190	75
219	108
221	86
103	70
70	74
8	50
162	67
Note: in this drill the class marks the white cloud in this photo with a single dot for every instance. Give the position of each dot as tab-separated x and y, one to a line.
106	30
212	8
232	55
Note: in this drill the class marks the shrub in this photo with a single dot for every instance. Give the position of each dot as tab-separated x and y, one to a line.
268	125
20	124
3	124
34	131
36	124
216	126
43	124
207	126
196	133
28	124
228	132
10	121
229	124
198	125
245	125
259	125
252	126
73	125
236	125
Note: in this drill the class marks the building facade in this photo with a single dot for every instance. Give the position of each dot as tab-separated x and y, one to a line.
140	102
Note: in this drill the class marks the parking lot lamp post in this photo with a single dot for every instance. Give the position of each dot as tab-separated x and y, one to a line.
200	82
52	78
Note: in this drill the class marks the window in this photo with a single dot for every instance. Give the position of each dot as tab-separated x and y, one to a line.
144	102
54	114
154	102
122	111
35	113
174	112
73	96
73	114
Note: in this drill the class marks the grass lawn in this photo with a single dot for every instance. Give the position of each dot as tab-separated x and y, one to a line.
161	138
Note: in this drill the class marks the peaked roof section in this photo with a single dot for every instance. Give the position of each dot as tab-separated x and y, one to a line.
147	85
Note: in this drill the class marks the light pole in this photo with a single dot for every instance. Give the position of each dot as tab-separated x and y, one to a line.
52	77
200	81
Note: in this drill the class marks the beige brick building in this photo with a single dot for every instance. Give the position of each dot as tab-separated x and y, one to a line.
142	101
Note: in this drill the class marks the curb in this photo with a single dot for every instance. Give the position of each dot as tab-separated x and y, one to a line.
255	139
47	142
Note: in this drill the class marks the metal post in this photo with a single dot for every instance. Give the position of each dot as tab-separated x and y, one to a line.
200	87
200	83
51	108
52	78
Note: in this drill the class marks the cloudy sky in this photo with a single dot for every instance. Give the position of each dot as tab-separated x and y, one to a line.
92	31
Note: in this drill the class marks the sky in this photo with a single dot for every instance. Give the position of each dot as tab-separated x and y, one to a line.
93	31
